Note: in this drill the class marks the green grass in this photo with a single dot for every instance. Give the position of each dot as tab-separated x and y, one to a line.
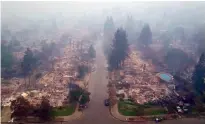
64	111
128	108
3	81
154	111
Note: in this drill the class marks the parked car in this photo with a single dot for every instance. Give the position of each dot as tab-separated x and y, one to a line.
106	102
158	120
83	106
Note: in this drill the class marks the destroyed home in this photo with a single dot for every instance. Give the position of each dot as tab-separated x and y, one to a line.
54	83
137	62
145	85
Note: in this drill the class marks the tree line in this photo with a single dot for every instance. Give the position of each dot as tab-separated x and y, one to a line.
117	50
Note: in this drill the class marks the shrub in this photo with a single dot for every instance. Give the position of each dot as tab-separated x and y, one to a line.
44	109
20	107
82	70
38	75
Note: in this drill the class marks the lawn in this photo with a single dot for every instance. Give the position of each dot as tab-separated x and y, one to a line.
129	108
63	111
154	111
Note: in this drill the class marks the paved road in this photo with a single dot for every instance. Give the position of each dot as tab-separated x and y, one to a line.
97	113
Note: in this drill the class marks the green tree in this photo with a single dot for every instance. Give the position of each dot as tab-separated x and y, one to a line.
145	37
109	30
6	57
75	94
177	59
82	70
46	50
7	61
50	50
20	107
44	109
119	49
29	63
64	39
130	29
85	97
109	27
199	75
92	52
179	33
199	37
166	37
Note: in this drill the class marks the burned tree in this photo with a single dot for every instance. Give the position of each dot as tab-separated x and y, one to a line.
92	52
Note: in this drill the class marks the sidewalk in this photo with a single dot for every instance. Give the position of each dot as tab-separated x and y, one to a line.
115	113
77	114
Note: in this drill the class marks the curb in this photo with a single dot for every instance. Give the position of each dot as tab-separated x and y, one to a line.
122	119
133	120
63	117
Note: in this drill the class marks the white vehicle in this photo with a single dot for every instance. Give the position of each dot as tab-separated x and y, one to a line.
179	109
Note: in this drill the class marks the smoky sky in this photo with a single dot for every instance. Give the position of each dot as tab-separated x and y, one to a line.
21	13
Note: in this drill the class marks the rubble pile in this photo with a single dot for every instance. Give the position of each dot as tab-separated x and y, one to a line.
145	85
64	71
10	89
54	84
18	55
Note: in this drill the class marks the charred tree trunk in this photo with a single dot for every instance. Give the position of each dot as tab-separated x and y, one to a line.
29	80
25	81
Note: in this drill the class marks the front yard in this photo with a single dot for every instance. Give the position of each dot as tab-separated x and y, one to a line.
63	111
57	111
128	108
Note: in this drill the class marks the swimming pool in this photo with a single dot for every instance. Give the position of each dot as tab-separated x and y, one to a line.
166	77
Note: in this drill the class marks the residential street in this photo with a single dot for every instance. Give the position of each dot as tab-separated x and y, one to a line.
97	113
